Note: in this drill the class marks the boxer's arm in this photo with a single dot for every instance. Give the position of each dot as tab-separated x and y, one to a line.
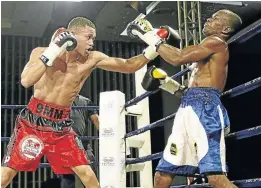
175	56
130	65
34	69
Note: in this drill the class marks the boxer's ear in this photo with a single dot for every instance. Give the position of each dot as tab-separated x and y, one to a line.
226	30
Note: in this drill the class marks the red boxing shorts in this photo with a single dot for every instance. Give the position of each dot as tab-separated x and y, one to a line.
44	129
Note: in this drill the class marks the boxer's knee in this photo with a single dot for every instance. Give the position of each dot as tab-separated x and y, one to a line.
162	180
7	174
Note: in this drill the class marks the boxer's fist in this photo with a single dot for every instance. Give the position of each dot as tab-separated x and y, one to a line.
172	38
62	40
138	27
152	78
155	37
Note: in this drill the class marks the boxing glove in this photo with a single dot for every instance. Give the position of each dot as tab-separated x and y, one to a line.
172	38
64	41
150	53
142	29
163	35
156	78
152	78
138	27
154	38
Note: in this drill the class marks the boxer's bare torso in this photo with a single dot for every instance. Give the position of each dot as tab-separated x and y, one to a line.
211	56
212	71
62	82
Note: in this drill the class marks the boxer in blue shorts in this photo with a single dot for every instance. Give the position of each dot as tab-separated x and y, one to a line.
197	142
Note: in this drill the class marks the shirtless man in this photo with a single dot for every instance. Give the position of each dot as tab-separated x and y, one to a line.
58	73
197	142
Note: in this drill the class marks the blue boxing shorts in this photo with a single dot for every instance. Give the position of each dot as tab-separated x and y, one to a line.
197	142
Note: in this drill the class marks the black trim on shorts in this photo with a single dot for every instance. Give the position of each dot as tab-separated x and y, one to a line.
35	120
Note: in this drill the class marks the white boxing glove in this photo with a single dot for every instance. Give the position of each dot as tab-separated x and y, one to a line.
154	38
142	29
150	53
139	26
64	41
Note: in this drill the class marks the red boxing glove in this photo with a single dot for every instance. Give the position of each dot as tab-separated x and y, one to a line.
173	38
162	33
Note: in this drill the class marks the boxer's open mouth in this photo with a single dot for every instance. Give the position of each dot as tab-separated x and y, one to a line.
88	50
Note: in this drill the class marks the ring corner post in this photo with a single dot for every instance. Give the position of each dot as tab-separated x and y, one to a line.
111	143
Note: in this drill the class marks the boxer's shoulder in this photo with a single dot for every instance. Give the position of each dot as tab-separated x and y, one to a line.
214	43
98	56
214	40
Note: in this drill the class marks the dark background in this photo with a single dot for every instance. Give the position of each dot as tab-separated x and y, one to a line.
40	19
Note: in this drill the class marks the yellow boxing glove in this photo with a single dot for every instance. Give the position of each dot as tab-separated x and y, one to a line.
159	73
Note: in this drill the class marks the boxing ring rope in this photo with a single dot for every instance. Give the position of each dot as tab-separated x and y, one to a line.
83	138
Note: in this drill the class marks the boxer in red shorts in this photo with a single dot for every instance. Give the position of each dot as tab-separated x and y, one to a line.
58	73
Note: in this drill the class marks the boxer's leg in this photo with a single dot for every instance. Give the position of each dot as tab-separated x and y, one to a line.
91	158
7	174
87	176
220	181
70	157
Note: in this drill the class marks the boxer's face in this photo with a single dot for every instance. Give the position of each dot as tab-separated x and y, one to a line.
216	24
85	38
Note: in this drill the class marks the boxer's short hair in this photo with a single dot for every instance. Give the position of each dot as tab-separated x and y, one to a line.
80	22
234	20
